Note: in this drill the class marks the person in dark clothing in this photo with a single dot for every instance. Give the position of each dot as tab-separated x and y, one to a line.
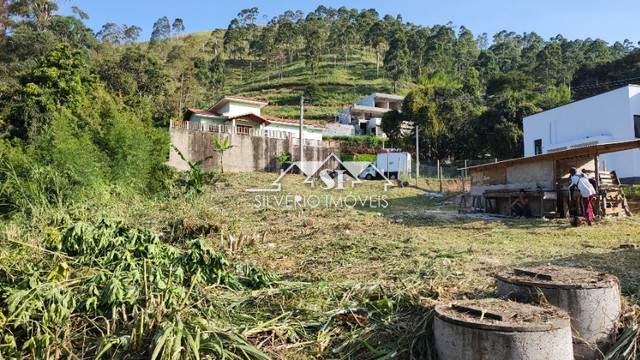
520	206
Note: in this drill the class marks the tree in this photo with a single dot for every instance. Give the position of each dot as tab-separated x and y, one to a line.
289	35
161	30
61	77
213	73
315	40
511	98
131	33
177	27
377	37
435	108
216	71
5	20
396	59
392	125
550	69
417	39
466	51
79	13
440	50
39	12
234	42
111	33
506	49
264	46
248	17
221	145
344	32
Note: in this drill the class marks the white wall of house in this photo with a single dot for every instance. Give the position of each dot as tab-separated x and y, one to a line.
236	108
207	120
338	129
367	101
367	121
604	118
310	133
374	127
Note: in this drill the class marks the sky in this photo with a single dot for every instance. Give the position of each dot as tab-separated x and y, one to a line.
609	20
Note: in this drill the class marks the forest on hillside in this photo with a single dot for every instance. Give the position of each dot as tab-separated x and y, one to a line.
464	88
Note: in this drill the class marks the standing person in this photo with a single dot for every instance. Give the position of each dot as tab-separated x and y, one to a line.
587	192
592	180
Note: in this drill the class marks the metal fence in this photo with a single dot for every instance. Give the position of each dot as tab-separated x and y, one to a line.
448	169
247	131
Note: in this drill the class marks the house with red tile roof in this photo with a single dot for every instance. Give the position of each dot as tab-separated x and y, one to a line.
239	115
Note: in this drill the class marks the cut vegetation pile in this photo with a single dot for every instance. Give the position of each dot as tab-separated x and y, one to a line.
106	290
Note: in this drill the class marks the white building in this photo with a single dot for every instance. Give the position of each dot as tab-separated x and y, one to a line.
366	114
239	115
608	117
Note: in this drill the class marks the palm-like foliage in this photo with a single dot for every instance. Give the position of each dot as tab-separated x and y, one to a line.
221	145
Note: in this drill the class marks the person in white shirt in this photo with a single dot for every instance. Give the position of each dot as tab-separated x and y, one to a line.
587	192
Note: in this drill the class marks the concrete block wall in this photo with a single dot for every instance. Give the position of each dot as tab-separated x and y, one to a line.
248	153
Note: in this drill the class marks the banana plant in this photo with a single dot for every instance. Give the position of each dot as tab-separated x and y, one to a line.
221	145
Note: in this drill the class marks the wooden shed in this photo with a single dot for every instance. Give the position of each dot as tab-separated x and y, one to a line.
545	180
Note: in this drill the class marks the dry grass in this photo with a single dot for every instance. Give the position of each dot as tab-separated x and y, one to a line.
393	262
403	243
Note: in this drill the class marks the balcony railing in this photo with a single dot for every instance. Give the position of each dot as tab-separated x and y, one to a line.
244	131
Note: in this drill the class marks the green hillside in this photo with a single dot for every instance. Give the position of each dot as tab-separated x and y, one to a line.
338	83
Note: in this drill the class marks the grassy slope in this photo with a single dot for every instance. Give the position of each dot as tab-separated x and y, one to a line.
342	84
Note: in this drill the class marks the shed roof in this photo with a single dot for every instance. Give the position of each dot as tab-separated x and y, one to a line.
593	150
200	112
249	116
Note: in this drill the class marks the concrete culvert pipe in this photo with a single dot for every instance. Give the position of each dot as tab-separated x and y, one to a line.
493	329
592	300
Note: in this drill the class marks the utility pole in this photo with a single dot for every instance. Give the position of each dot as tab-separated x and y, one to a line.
301	157
417	156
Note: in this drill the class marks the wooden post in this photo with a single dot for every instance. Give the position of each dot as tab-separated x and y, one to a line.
465	174
301	130
417	156
439	174
597	188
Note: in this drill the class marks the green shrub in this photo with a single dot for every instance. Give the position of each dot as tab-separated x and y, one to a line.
358	157
358	140
632	192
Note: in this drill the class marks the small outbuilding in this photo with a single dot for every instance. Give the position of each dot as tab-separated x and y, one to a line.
544	180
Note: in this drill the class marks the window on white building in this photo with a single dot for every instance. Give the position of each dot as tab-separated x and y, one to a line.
537	146
243	130
636	125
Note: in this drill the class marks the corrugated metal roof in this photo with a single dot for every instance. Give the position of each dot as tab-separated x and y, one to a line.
597	149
